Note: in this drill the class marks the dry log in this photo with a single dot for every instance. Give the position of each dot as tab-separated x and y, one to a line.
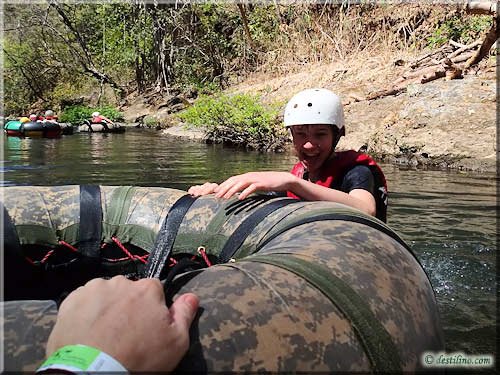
463	57
426	75
428	61
445	67
439	72
419	72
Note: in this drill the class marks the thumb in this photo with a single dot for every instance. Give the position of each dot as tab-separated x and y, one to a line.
184	309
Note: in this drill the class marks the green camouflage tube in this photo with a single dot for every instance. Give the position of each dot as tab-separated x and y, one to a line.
293	286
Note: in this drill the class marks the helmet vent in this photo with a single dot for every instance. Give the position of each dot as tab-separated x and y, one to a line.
309	104
295	105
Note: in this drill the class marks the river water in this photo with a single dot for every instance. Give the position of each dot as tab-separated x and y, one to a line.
448	218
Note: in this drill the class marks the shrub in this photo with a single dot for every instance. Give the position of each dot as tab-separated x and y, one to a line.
79	113
238	120
460	30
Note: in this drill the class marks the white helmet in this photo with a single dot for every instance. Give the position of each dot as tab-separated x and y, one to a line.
49	112
95	114
315	106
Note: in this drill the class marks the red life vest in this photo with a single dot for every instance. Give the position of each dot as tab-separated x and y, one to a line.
339	165
50	118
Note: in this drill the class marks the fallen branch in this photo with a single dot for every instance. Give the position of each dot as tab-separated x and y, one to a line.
445	62
463	57
427	55
464	48
418	73
456	44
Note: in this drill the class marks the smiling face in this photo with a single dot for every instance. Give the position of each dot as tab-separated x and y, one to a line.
313	144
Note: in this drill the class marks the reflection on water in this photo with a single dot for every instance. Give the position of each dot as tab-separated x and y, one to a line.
448	218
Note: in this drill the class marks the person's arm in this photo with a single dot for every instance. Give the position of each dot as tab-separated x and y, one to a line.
251	182
127	320
357	198
107	120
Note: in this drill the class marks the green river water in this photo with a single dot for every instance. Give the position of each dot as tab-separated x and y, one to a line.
448	218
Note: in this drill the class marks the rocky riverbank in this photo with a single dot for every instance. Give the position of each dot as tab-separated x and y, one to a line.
445	124
441	124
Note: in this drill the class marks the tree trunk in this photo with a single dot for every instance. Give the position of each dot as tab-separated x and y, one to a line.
160	61
483	51
244	19
138	55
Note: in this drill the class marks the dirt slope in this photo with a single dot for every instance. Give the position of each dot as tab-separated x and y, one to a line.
443	124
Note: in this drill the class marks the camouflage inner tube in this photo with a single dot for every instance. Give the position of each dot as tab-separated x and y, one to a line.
285	285
33	129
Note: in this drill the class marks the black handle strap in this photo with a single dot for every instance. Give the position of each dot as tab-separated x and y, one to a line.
10	237
166	236
234	242
90	229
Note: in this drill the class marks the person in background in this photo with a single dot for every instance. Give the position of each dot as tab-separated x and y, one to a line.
50	116
33	117
97	118
315	118
119	325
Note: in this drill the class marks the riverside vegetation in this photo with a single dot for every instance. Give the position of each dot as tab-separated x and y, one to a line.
233	66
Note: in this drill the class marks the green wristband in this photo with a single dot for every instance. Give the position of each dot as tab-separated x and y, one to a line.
81	358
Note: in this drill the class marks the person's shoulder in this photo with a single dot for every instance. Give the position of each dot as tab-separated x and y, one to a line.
359	169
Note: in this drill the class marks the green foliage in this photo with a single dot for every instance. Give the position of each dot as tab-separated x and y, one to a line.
78	114
151	122
238	120
263	25
200	45
460	30
110	112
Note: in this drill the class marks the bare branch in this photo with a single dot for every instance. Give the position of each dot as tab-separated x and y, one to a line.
28	79
85	58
